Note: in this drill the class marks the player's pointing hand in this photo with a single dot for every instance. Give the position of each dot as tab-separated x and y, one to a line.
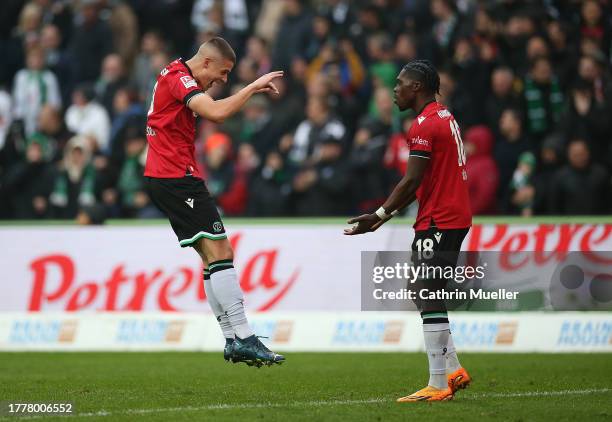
264	83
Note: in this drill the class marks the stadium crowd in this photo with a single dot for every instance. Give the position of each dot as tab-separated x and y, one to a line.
529	83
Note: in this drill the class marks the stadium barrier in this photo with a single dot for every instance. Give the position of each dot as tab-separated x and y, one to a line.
130	287
306	332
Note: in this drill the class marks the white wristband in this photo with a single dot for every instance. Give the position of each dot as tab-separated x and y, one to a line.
382	214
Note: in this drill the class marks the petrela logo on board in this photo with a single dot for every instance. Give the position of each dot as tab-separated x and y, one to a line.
58	282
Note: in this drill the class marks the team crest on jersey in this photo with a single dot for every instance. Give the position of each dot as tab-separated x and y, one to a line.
444	114
189	82
217	226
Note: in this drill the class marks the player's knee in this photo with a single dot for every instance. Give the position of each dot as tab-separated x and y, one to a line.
219	250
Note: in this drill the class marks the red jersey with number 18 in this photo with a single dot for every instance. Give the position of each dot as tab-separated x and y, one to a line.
443	193
171	124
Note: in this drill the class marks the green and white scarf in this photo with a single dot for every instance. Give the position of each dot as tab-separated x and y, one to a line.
59	196
536	112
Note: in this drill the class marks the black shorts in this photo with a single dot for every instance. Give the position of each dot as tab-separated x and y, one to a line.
188	205
447	242
435	248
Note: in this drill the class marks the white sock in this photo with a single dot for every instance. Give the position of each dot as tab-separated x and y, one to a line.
452	361
222	319
226	289
436	340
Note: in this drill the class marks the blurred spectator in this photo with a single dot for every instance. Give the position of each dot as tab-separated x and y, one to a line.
550	160
521	189
369	22
321	189
594	24
123	23
293	33
405	49
74	184
257	49
130	196
112	78
91	215
128	114
24	36
537	74
382	69
321	29
6	116
258	127
483	175
470	75
369	182
57	59
591	70
503	96
341	15
445	30
270	188
581	187
560	49
143	72
543	99
27	182
231	15
588	119
93	42
225	182
511	143
34	87
342	64
398	151
51	125
319	126
86	117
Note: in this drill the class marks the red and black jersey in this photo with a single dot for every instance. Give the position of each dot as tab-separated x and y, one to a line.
443	193
171	124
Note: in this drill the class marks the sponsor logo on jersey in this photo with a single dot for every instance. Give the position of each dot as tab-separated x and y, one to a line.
189	82
164	71
189	202
420	119
420	141
444	114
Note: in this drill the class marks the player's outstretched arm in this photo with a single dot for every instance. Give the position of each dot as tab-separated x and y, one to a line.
403	194
219	110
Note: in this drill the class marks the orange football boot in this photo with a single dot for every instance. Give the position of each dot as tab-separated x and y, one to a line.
428	393
458	380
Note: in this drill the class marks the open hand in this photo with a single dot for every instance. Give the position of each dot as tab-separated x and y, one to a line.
365	223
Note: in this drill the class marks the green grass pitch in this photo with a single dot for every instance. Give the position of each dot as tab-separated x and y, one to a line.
309	386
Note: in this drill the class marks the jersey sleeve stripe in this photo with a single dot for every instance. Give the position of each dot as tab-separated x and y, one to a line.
420	154
192	94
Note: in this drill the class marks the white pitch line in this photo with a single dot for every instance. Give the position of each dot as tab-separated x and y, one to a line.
542	393
314	403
